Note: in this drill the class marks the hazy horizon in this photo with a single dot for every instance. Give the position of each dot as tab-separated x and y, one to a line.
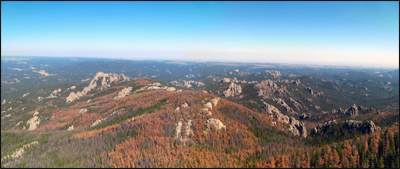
320	33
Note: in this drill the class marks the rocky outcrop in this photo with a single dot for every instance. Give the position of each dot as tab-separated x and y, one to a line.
82	111
155	86
19	123
226	80
72	97
4	101
283	81
273	73
20	151
308	99
178	129
215	101
252	82
305	116
310	90
271	109
187	84
100	81
208	105
26	94
232	90
297	104
123	93
184	105
71	128
235	80
106	80
297	82
282	118
188	130
353	110
33	122
216	123
284	105
297	128
327	127
267	89
6	116
115	113
340	111
40	98
313	92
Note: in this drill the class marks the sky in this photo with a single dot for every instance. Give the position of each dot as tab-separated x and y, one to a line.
328	33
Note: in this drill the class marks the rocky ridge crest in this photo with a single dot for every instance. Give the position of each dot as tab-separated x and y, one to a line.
296	127
232	90
100	81
267	88
366	127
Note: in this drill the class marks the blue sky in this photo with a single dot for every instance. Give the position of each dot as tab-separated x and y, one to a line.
348	33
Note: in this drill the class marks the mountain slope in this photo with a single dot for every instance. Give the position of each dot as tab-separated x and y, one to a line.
151	124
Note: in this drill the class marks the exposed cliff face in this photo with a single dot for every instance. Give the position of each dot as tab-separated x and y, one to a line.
155	86
284	105
123	93
106	80
296	127
267	89
313	92
353	110
100	81
326	128
270	109
187	84
232	90
297	82
226	80
273	73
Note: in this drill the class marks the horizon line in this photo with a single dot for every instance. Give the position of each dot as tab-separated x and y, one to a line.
336	64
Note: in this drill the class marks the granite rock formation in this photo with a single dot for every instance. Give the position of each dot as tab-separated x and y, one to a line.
267	89
123	93
273	73
232	90
326	128
100	81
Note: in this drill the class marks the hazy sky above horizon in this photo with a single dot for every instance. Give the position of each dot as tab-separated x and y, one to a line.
349	33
